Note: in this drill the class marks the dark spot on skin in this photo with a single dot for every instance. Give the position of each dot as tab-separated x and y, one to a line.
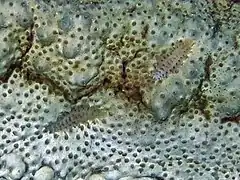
208	63
235	119
216	28
124	74
235	1
145	31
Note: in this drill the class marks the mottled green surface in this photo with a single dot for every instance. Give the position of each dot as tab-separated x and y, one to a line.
79	99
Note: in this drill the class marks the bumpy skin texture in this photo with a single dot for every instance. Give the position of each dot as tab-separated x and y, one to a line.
119	90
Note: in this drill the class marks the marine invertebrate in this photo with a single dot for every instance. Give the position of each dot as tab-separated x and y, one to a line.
96	61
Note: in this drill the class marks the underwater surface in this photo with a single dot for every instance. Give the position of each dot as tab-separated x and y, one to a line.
119	90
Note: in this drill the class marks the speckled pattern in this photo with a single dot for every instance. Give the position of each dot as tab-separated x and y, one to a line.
119	90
